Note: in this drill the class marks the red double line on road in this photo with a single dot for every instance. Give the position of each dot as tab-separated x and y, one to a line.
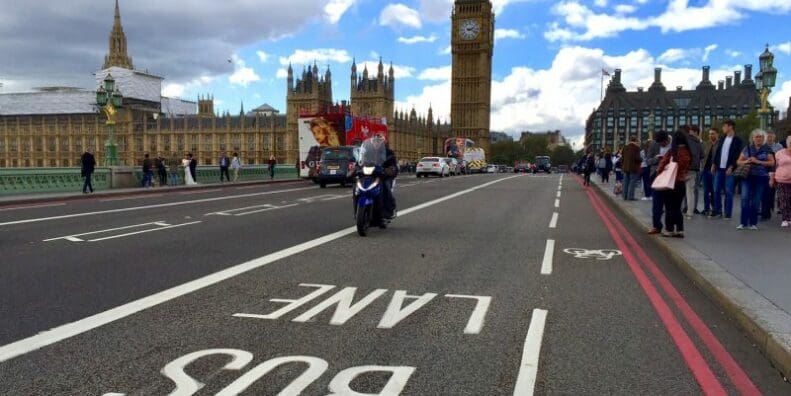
694	360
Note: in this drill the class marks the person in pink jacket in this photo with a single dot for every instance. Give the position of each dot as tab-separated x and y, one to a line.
781	180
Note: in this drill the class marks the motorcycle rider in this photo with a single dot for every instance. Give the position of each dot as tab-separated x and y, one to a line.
390	170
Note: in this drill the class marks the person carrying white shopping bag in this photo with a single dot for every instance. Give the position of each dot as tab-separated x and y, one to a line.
671	182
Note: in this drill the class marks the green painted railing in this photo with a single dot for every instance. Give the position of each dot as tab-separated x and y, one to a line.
49	180
211	174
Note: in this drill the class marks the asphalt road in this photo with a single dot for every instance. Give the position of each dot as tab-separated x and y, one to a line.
484	285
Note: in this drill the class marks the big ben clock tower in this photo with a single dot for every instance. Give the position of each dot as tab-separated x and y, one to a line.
472	44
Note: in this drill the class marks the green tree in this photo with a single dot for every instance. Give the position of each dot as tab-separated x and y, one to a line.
563	155
747	124
505	153
533	146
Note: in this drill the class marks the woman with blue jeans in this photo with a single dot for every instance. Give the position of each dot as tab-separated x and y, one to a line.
761	160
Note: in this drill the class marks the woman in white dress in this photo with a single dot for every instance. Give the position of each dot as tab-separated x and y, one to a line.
188	180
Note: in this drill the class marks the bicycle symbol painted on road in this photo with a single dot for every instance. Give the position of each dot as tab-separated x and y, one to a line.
600	254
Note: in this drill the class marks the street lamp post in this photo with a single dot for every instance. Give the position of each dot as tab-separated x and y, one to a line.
109	100
765	82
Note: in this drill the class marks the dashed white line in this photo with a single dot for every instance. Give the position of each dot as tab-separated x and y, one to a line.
549	254
554	222
557	203
528	369
559	194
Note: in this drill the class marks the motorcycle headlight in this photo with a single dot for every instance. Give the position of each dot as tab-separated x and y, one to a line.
368	170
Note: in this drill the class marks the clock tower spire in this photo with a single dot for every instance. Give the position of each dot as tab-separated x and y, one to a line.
472	46
117	55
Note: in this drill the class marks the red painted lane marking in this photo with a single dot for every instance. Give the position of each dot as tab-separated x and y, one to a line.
735	373
692	357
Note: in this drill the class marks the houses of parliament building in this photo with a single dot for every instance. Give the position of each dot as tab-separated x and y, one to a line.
54	126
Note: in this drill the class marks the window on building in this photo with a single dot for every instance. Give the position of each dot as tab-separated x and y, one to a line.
695	120
609	122
706	120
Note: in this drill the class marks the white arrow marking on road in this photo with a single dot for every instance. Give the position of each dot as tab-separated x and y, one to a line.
528	369
549	253
62	332
554	222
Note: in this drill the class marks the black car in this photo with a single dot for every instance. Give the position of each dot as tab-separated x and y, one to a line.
337	165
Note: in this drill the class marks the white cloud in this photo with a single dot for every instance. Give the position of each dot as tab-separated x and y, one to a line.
600	3
175	90
707	51
374	54
242	74
583	24
436	10
784	48
500	34
674	55
417	39
281	73
262	56
436	73
445	51
733	53
625	8
336	8
564	94
780	97
306	57
395	15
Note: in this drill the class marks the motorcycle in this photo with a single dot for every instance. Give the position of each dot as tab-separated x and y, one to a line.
367	193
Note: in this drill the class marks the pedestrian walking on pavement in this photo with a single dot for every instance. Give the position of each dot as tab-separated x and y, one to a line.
631	168
88	162
589	166
761	160
148	172
236	165
225	163
708	174
272	163
768	200
693	175
781	180
655	154
645	171
680	153
723	165
162	170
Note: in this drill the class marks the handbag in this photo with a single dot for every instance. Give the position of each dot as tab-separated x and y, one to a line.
667	179
742	171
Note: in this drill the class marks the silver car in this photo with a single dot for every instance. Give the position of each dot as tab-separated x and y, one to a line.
432	166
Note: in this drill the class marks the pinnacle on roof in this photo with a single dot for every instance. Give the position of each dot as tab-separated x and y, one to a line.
117	54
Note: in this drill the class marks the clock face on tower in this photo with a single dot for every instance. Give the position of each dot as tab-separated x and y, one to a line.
469	29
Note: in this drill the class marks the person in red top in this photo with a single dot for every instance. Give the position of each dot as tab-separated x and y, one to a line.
679	153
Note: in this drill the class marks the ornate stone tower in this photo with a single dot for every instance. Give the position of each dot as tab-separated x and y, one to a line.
373	97
309	95
117	55
472	42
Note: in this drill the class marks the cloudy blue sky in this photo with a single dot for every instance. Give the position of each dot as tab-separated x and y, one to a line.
547	59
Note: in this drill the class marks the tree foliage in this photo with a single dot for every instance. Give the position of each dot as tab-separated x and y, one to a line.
527	149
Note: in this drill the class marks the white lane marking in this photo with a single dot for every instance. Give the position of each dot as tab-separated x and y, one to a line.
100	231
554	222
72	329
134	208
143	231
528	369
559	194
557	203
32	206
200	191
549	253
266	209
143	196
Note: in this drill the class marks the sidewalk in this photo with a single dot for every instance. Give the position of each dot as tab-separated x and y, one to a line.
721	260
8	200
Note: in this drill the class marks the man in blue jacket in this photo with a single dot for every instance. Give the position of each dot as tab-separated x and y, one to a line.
722	166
